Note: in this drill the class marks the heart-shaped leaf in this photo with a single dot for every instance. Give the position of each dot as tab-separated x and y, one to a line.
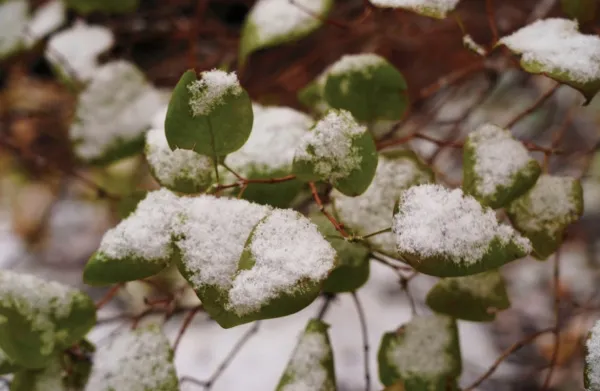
445	233
477	298
545	211
368	86
38	317
273	22
497	168
140	246
371	211
433	8
109	6
563	54
423	354
339	151
140	359
582	10
311	365
212	115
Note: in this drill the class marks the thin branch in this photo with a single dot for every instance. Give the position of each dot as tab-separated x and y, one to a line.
184	326
365	337
398	268
327	299
108	296
556	328
381	231
491	15
332	219
537	104
404	284
451	79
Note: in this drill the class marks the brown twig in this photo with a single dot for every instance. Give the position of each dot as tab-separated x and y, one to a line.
332	219
327	299
108	296
556	328
539	102
365	337
184	326
491	16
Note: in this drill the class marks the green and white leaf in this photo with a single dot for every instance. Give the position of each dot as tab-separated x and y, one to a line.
545	211
109	6
367	86
248	261
39	317
180	170
556	48
446	233
113	113
274	22
49	378
339	151
140	246
424	354
476	298
582	10
371	211
134	360
211	116
47	18
14	15
311	365
497	168
353	268
433	8
591	370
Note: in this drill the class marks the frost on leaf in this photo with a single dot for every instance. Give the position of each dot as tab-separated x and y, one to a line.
424	354
14	15
113	112
546	210
311	365
179	169
74	52
53	377
139	246
273	22
445	233
39	317
337	150
476	298
433	8
277	130
248	261
366	85
556	48
372	211
592	359
211	115
136	360
497	168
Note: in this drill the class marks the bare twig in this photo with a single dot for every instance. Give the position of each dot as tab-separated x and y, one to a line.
184	326
536	105
556	328
332	219
491	15
108	296
381	231
327	299
365	337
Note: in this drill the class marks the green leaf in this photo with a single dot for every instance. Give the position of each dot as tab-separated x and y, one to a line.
476	298
339	151
591	371
39	318
212	116
353	269
311	95
497	168
140	359
545	211
368	86
248	262
311	365
129	203
179	169
140	246
109	6
582	10
271	23
373	210
446	233
571	59
6	364
424	354
432	8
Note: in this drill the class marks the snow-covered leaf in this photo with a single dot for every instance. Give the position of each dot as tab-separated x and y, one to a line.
74	52
353	268
557	49
433	8
113	113
39	317
47	18
311	96
446	233
273	22
212	115
54	377
546	210
311	365
368	86
110	6
6	364
180	170
476	298
424	354
134	360
372	211
582	10
248	261
14	15
592	359
337	150
497	168
140	246
269	153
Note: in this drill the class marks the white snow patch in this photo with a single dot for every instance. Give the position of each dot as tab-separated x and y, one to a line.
305	367
210	90
592	358
473	46
436	7
14	15
355	63
46	19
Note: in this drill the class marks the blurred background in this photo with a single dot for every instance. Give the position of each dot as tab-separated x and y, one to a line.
55	209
